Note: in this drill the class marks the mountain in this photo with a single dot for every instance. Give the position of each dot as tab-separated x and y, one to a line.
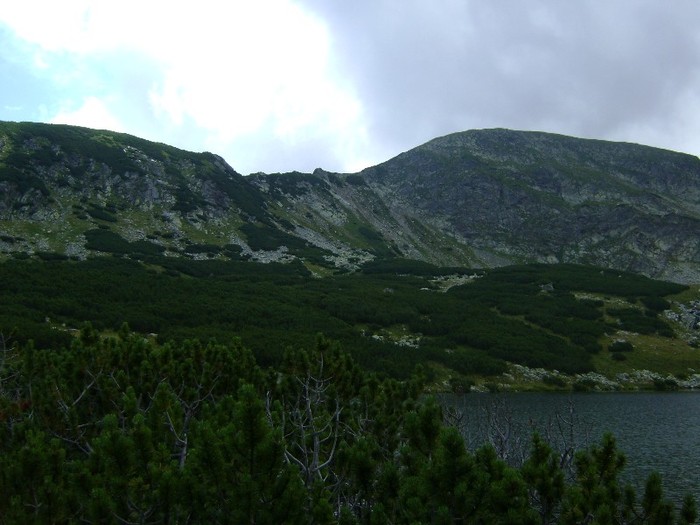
479	199
515	196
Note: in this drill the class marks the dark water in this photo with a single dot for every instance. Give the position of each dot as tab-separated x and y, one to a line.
656	431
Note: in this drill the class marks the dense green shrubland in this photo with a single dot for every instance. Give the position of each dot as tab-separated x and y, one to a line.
123	430
526	315
105	240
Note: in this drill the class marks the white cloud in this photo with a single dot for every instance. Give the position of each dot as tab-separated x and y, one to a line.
229	69
252	69
93	113
58	27
295	84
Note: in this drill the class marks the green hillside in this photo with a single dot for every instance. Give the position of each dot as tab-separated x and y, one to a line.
107	228
390	317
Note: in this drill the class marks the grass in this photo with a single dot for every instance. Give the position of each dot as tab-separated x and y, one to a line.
656	354
692	293
317	270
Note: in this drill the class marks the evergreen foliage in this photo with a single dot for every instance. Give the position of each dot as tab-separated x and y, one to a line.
524	315
121	429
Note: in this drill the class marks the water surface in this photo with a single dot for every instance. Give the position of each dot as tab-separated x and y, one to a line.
656	431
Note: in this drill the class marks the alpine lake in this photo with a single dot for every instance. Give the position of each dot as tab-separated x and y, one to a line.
656	431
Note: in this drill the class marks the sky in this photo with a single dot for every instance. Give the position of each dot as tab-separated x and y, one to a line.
283	85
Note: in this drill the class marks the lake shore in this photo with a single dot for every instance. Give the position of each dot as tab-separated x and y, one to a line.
521	378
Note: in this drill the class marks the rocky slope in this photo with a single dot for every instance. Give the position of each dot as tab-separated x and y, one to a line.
514	196
478	198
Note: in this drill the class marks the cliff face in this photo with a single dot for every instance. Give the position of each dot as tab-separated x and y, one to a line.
478	198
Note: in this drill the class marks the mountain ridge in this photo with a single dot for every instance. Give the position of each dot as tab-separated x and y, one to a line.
517	191
477	198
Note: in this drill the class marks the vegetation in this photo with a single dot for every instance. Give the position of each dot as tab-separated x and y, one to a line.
390	318
621	346
124	430
79	155
104	240
661	355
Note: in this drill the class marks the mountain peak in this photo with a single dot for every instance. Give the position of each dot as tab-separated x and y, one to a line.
475	198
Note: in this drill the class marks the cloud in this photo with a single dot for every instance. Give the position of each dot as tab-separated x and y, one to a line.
601	69
263	73
93	113
233	71
277	85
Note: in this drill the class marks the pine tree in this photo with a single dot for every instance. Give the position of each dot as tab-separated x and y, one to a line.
545	479
236	472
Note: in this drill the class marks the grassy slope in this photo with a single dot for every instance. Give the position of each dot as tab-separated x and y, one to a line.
663	355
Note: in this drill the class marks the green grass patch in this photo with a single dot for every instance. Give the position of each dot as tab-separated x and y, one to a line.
654	353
